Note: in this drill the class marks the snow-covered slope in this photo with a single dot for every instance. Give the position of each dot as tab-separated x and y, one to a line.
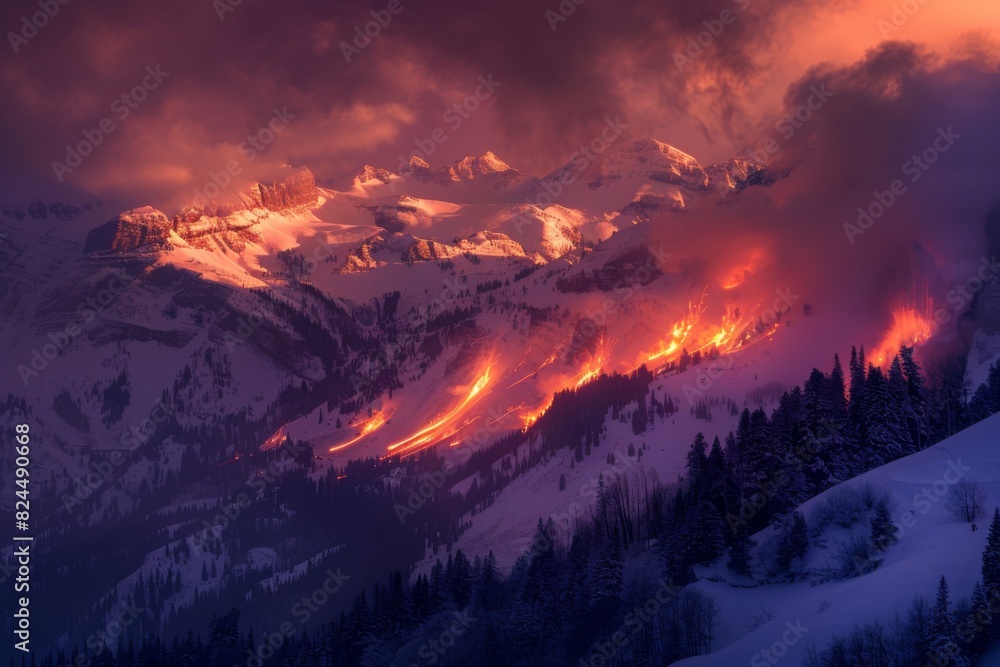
932	543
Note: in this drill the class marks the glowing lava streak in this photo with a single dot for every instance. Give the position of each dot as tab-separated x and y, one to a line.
275	439
531	417
739	327
909	327
592	368
679	334
367	426
445	426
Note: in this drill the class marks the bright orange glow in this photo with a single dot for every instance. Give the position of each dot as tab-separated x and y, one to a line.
551	359
911	325
679	334
592	368
531	417
447	426
738	274
739	327
274	440
367	426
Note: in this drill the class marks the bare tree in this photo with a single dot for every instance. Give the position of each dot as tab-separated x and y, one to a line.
966	499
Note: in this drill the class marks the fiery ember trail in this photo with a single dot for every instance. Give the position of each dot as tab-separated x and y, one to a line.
679	335
275	439
738	328
446	426
593	367
367	426
911	326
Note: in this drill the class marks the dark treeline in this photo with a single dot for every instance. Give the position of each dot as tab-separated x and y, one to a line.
568	595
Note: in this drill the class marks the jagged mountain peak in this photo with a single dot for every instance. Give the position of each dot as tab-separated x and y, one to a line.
130	230
487	163
647	147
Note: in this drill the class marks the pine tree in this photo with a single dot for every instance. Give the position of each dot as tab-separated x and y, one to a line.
740	446
739	553
716	483
991	558
977	634
886	433
224	639
757	450
943	649
697	466
437	586
706	541
903	414
460	578
857	415
919	427
816	410
793	545
608	582
487	589
883	530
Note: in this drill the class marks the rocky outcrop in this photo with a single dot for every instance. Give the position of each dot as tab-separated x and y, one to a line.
298	189
130	230
485	169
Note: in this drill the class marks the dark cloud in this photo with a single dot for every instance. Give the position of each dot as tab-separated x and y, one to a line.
904	116
227	74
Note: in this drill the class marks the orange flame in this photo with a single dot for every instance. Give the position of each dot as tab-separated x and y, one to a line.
593	367
367	426
275	439
446	426
738	327
911	326
679	334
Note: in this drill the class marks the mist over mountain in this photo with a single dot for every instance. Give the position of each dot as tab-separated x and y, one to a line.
500	335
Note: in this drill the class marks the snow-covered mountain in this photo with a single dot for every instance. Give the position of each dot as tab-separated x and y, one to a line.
379	317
